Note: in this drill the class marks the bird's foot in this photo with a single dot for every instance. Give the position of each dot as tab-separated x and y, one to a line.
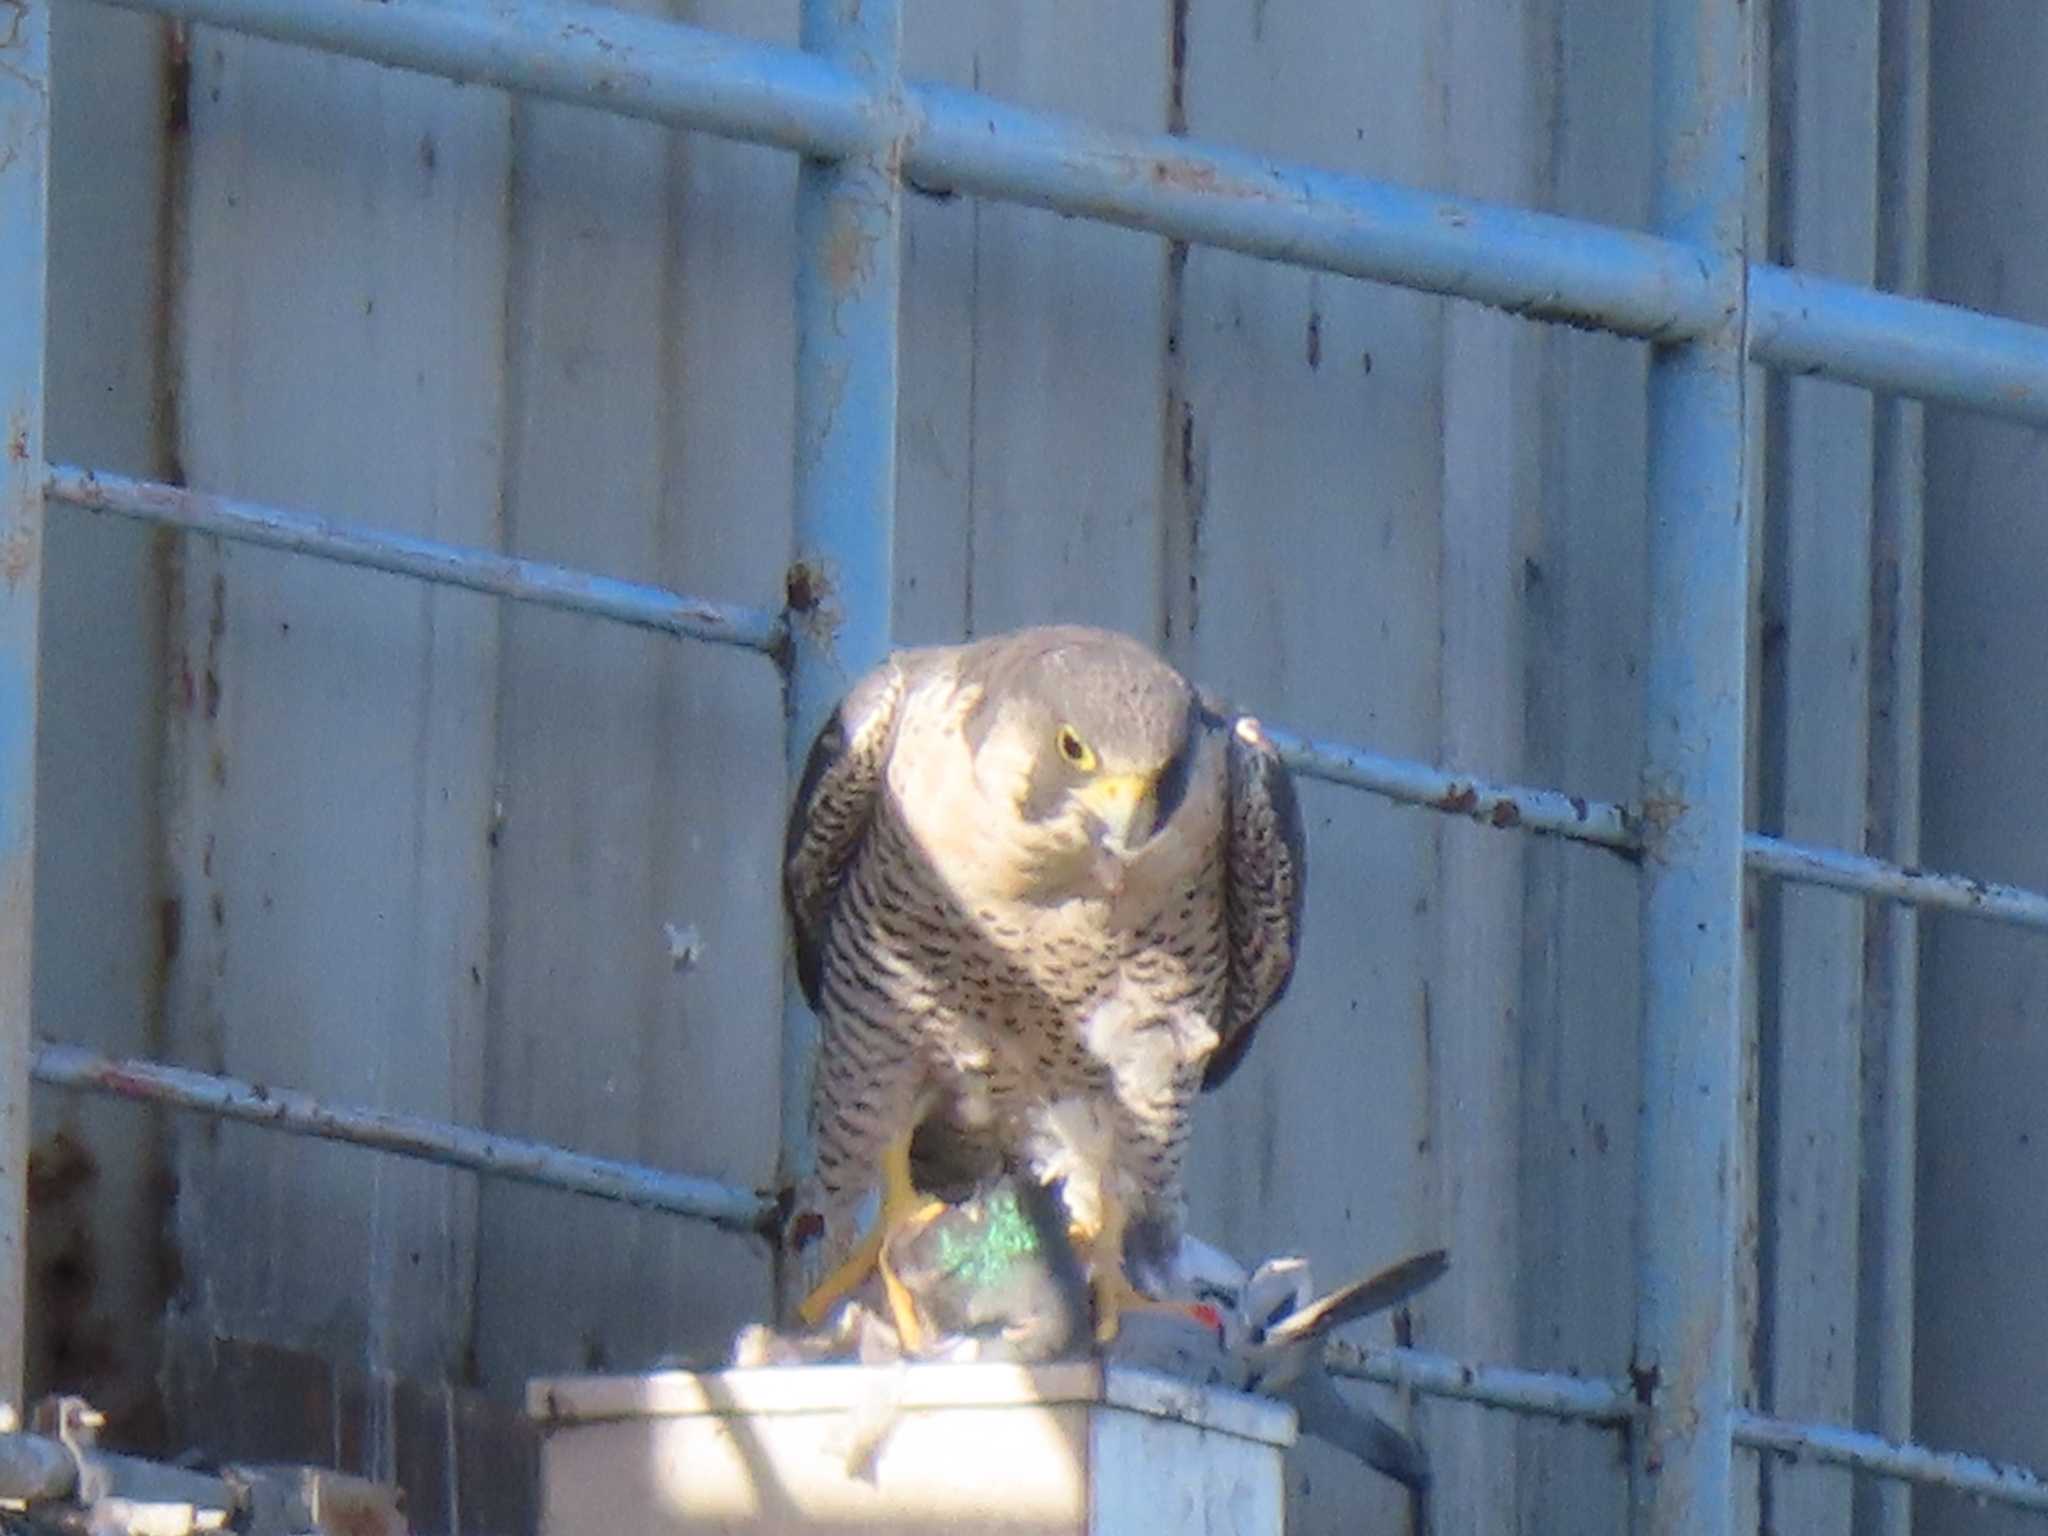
1100	1241
844	1280
911	1332
902	1207
1110	1287
1115	1297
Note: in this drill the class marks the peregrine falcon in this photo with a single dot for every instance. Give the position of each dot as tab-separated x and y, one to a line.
1041	891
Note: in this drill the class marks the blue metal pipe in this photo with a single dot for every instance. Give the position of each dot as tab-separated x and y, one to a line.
1585	1399
1505	806
1683	1364
1867	876
1607	825
1813	325
1974	1475
1532	264
1497	805
1591	1400
24	271
1528	263
849	222
823	105
479	570
434	1141
613	60
1550	811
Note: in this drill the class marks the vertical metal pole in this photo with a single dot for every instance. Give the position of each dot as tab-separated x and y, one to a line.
848	284
1681	1456
24	196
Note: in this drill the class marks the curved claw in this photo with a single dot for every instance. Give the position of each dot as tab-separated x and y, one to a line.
901	1203
911	1332
1109	1283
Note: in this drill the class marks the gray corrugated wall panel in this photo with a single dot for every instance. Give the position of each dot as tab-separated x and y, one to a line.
1032	360
1747	1471
935	464
1311	474
1815	660
1840	659
331	731
583	840
93	1277
1582	601
1891	937
1496	98
1981	1347
650	367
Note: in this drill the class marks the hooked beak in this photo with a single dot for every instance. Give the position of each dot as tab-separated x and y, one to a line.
1126	805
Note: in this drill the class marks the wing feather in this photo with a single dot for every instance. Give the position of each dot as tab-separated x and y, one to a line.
835	802
1265	874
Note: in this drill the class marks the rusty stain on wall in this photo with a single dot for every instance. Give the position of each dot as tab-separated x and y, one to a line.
72	1341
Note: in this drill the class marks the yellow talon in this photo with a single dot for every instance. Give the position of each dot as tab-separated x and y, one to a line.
903	1209
910	1329
1109	1284
843	1281
1114	1295
1109	1287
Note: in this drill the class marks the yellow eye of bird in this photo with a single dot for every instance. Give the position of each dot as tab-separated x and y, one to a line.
1074	749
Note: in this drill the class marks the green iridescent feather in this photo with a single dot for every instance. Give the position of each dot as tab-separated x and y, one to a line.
984	1254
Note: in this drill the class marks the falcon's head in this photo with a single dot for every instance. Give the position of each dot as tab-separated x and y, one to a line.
1084	738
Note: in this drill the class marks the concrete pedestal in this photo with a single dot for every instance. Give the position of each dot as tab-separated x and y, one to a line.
1073	1449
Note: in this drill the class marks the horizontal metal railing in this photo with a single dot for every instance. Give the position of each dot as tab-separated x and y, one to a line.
1860	1452
479	570
1591	1400
1532	264
433	1141
1609	825
1549	1394
1506	806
